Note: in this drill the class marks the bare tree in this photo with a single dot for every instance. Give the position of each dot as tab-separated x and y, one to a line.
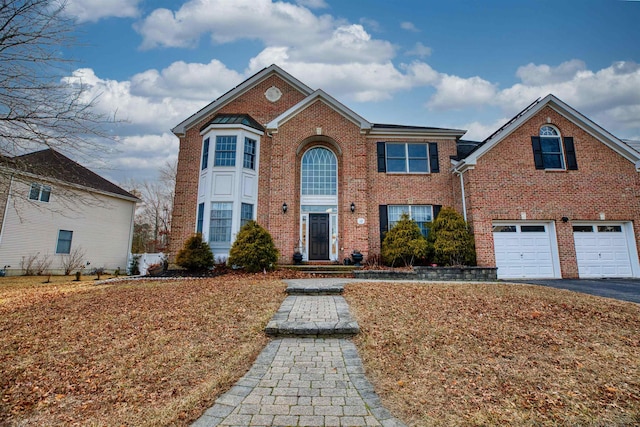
152	228
40	105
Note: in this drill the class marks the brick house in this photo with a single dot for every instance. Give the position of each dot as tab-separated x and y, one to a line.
326	181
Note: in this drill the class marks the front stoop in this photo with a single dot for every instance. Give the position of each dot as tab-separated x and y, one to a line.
313	311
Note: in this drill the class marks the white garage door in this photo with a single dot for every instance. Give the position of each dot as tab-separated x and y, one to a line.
523	251
602	250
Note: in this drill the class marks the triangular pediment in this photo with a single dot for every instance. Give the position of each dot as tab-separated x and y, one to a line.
237	91
319	96
567	112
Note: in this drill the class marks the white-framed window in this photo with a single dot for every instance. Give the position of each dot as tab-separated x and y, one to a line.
200	218
421	214
40	192
64	242
249	160
405	157
551	146
205	154
246	213
225	150
220	223
319	173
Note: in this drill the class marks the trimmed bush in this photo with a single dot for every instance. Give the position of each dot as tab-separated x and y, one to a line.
195	255
253	249
453	244
404	243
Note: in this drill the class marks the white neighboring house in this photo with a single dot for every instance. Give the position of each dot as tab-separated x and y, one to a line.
52	208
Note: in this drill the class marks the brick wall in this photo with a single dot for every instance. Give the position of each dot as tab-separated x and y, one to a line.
252	102
505	184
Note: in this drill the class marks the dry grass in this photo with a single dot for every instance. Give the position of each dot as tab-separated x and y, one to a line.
452	354
142	353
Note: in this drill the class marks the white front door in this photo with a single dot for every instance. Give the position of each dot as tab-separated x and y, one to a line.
524	250
602	250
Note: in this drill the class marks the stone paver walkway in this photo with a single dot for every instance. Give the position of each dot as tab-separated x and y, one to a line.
306	376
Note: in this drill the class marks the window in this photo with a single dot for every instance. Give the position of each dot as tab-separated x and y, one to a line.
504	228
421	214
225	151
40	192
583	229
249	154
407	157
200	218
246	213
319	173
205	154
220	225
532	228
551	151
64	242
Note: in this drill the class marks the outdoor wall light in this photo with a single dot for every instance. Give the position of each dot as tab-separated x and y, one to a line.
565	219
284	208
353	207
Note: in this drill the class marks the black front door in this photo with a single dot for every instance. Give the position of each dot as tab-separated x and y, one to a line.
319	236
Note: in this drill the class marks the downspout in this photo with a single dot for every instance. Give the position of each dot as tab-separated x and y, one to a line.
464	202
6	209
464	199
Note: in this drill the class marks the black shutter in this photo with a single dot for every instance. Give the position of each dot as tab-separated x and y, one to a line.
384	222
382	164
436	211
570	153
434	164
537	152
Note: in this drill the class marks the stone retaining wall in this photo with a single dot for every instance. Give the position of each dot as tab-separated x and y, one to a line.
467	274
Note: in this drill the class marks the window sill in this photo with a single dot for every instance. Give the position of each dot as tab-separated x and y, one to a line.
408	173
555	170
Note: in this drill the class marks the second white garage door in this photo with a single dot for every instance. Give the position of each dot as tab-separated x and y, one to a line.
524	251
602	250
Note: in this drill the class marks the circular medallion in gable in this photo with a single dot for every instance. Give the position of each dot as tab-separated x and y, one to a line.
273	94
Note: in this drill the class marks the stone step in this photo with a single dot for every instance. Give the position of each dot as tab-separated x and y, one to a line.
318	289
313	316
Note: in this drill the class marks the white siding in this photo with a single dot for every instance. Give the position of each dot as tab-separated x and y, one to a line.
101	225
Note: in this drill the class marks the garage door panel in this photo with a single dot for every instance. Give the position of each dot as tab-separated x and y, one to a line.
523	254
603	252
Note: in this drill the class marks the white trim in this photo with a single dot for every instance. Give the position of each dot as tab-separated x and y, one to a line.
322	96
570	114
243	87
553	243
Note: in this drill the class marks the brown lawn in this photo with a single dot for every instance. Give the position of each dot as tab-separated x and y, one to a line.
499	354
143	353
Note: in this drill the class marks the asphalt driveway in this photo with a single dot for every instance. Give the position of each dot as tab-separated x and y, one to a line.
622	289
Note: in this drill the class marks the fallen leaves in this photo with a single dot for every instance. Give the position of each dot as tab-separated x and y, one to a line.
131	353
499	354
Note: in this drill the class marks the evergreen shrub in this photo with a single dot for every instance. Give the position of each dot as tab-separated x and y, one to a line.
253	249
404	243
195	255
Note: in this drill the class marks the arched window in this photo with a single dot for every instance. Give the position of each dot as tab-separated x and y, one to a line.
319	173
551	144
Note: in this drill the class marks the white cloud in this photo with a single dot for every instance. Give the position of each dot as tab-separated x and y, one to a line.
479	131
275	23
455	92
186	80
420	50
94	10
532	74
409	26
313	4
137	114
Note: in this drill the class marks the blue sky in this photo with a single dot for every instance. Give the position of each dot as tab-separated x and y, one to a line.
461	64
